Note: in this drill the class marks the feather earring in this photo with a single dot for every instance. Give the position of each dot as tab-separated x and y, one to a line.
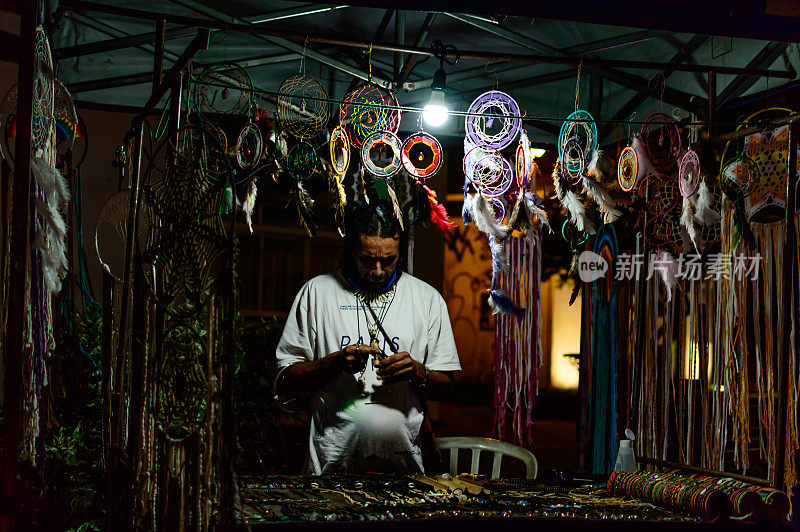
483	215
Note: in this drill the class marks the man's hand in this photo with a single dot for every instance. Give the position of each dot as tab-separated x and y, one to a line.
400	367
354	357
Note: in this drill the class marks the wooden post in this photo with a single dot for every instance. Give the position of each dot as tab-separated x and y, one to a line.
20	244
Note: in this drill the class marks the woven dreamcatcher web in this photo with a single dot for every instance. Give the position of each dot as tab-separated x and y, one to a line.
421	154
487	170
303	105
388	148
66	118
493	120
523	163
628	169
662	141
573	170
339	146
499	206
689	173
580	127
111	232
43	93
301	160
368	110
223	89
663	227
249	146
188	241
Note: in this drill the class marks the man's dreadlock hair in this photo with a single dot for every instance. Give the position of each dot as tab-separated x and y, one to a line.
375	218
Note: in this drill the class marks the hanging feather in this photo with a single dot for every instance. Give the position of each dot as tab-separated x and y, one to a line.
704	214
304	203
601	167
249	204
645	167
600	195
668	271
570	201
438	213
483	214
499	259
502	304
50	239
397	212
466	210
519	219
534	208
687	222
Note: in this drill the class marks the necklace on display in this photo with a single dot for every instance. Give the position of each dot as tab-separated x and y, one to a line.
365	300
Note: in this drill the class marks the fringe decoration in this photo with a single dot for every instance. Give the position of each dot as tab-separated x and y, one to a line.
483	215
51	237
249	204
438	213
704	214
396	206
518	343
600	195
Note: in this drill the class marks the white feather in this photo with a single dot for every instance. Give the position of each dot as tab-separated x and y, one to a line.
704	214
537	211
645	167
499	255
577	214
668	269
598	193
483	213
50	238
687	221
249	204
396	205
591	168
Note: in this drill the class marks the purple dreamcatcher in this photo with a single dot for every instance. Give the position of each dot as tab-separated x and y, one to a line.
493	120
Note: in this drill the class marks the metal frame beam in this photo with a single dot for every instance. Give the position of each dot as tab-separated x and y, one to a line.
682	55
234	23
763	59
411	60
615	42
283	38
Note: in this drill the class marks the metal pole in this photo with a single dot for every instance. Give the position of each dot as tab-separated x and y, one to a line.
158	56
20	244
789	285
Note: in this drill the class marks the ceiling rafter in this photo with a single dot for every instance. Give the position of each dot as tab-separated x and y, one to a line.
682	55
631	81
740	84
284	43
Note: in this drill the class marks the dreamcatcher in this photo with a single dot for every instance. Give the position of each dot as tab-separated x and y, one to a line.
249	147
421	155
303	105
43	94
758	172
223	89
628	169
689	174
368	110
577	139
301	161
387	147
661	141
523	162
488	171
339	147
111	232
493	119
187	239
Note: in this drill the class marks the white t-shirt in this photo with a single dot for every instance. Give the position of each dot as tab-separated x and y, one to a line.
347	428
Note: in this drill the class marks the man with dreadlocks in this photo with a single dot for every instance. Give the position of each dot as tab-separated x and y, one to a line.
371	343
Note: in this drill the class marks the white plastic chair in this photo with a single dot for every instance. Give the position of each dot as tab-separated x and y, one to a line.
499	448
